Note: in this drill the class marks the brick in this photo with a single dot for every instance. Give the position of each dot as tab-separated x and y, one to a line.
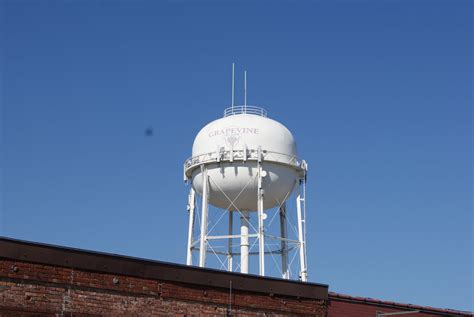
36	289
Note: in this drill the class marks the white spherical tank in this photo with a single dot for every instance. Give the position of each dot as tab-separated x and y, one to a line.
232	148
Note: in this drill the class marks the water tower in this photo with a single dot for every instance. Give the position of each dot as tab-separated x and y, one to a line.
245	165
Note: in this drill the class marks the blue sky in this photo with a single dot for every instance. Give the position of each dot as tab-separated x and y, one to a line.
377	93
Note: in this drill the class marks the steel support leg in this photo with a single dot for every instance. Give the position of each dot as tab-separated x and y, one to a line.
229	242
302	247
284	243
191	205
261	229
205	205
244	241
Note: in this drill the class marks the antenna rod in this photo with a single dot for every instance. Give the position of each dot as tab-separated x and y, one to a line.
233	65
245	89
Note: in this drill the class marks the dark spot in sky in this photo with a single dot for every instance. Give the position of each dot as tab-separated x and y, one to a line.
149	131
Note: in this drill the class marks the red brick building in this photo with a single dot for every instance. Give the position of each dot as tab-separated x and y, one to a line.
344	305
45	280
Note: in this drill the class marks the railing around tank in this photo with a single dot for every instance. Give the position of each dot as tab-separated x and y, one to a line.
245	110
242	156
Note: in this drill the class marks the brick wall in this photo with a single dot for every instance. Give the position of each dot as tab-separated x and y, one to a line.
42	280
39	289
347	306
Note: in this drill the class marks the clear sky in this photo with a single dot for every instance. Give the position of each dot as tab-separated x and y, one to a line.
377	93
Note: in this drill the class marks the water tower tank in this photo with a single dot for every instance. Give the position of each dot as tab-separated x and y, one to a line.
231	147
246	165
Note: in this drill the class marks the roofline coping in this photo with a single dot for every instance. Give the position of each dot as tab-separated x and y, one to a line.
373	301
48	254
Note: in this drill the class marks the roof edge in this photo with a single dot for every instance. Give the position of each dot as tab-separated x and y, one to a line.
34	252
373	301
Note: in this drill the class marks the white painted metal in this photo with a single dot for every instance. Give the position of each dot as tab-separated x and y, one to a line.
245	109
233	84
245	90
204	211
191	206
303	183
229	242
246	163
244	242
229	236
284	243
233	136
261	232
303	269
